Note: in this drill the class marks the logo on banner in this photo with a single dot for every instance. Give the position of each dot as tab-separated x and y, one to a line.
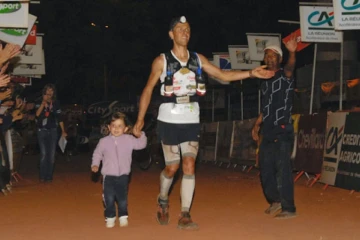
311	140
355	4
350	156
321	20
105	109
224	63
31	39
333	139
9	7
15	32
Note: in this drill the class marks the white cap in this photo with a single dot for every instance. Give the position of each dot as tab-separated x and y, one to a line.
274	48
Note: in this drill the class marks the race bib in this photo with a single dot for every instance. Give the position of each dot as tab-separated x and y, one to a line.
184	108
183	99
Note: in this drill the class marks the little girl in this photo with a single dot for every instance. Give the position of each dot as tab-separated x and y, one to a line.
115	152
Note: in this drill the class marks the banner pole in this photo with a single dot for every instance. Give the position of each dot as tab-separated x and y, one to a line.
313	80
242	101
341	71
229	105
213	105
259	101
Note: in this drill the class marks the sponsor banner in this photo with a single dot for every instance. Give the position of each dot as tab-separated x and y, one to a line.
243	147
347	14
348	171
310	143
17	35
31	39
240	58
333	141
208	141
317	25
301	45
30	69
225	135
258	41
31	54
14	14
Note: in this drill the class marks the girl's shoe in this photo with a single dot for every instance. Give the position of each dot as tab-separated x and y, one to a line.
4	191
123	221
110	222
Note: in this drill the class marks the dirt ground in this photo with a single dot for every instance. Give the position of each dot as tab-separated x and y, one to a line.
228	204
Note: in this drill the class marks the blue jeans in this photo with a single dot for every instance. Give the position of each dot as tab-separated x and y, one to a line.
276	173
47	142
115	190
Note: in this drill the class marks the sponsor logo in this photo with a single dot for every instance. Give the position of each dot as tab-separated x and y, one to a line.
333	138
351	139
321	20
105	110
311	140
15	32
329	169
350	4
9	7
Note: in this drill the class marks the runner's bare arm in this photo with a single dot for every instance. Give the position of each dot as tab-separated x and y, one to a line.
236	75
156	70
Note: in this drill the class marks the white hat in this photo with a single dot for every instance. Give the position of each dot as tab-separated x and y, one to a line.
274	48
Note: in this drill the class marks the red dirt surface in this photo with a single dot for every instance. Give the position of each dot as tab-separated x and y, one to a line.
228	204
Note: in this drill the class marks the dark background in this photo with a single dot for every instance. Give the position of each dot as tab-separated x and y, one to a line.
79	55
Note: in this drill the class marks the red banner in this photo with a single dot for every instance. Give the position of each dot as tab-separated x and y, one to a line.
31	39
301	45
21	80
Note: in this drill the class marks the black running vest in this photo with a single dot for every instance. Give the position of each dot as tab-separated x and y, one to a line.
174	65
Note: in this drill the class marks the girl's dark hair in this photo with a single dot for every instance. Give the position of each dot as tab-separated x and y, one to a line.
119	115
47	87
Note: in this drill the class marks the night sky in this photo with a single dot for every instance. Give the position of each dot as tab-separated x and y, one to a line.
78	53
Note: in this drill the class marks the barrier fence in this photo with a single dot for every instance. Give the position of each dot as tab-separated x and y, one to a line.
326	145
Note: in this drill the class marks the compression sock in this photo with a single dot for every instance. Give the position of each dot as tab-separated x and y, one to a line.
165	184
187	192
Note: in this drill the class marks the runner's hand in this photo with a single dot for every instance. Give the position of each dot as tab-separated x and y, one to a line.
261	72
137	128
